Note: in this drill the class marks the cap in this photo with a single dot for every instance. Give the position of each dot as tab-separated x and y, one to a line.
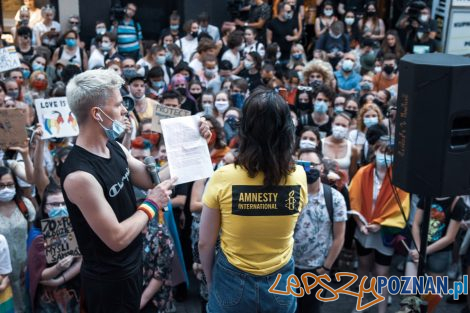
368	61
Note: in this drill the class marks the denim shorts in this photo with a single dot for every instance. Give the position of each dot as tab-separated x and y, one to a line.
237	291
437	263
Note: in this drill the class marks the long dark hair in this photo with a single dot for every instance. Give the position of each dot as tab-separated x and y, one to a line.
219	131
266	137
51	189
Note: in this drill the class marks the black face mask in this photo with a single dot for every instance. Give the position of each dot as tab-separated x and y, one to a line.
182	91
315	84
313	176
388	69
371	14
196	96
304	106
352	113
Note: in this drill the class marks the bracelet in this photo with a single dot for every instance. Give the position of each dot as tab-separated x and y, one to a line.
326	268
148	207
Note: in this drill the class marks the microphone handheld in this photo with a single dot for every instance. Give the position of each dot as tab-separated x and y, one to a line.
151	167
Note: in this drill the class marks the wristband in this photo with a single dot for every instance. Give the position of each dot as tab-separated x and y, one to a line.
148	207
326	268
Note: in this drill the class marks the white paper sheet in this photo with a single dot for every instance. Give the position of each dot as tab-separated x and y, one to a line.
361	217
188	154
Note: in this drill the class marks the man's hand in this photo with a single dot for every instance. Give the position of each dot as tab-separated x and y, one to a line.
161	193
204	129
239	22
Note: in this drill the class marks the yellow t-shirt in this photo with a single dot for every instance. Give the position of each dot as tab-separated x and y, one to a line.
257	222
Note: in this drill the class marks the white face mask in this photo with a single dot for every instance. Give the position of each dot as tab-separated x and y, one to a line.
7	194
349	21
339	132
307	144
221	106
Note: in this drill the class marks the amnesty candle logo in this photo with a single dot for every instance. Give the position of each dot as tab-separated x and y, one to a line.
265	201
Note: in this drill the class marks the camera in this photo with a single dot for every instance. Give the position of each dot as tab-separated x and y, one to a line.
414	10
117	12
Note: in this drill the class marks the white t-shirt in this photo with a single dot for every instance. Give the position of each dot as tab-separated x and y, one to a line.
96	59
188	47
255	47
233	58
40	28
196	65
5	261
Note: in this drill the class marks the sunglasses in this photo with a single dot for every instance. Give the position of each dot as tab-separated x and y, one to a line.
305	88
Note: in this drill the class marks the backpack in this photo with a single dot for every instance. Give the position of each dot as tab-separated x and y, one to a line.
328	194
23	209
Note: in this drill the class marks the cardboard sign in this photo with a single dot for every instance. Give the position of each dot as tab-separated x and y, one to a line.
161	112
12	128
56	118
9	59
59	239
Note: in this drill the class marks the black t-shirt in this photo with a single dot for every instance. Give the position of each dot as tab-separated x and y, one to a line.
440	218
280	30
113	174
189	105
254	80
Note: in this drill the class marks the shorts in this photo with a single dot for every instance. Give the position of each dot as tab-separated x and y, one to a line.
112	296
379	258
437	263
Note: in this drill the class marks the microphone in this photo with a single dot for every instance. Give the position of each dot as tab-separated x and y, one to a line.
151	167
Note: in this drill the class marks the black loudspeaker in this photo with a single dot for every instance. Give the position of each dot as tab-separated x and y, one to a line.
432	138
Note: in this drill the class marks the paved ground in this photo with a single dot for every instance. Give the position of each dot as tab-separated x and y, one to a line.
345	304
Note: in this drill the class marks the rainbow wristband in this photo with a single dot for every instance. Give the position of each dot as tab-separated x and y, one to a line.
149	207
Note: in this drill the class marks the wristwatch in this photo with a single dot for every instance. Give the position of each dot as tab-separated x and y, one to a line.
246	24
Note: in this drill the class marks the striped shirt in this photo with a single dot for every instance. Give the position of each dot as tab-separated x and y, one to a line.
128	36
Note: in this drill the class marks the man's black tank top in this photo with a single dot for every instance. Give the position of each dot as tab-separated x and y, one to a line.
99	261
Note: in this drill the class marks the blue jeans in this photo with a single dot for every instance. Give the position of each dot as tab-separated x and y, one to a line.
236	291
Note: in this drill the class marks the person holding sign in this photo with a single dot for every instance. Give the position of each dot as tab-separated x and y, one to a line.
254	204
48	284
97	181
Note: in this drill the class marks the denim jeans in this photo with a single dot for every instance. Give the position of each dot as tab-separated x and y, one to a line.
236	291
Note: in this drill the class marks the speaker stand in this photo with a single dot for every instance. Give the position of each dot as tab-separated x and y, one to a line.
424	242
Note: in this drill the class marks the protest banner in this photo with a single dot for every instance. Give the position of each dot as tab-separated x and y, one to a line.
56	118
59	239
9	59
161	112
12	128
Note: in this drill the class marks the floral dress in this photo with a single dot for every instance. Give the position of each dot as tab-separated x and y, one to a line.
157	259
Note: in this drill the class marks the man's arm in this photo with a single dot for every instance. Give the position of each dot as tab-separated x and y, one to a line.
84	191
339	229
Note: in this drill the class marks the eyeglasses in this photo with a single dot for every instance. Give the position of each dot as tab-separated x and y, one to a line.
74	23
9	186
55	204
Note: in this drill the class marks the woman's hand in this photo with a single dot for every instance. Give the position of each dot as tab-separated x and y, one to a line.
364	229
373	228
65	263
414	256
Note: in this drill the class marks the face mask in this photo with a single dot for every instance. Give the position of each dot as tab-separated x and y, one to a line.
207	109
278	55
212	139
388	69
222	106
315	83
297	56
182	91
14	94
194	34
339	132
424	18
328	12
370	121
39	84
137	98
7	194
116	130
101	31
71	42
129	72
304	106
383	160
371	13
321	107
347	65
161	59
59	73
37	67
196	96
366	86
339	109
288	16
76	28
313	175
169	56
237	100
174	27
349	21
158	85
210	73
60	211
307	144
377	69
248	65
420	35
26	73
232	122
106	46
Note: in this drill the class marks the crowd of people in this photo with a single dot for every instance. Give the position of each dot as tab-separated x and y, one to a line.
300	101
